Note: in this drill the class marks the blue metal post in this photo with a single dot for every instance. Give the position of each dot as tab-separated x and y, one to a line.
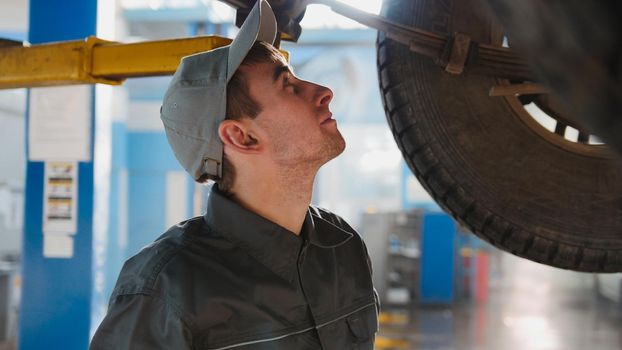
56	293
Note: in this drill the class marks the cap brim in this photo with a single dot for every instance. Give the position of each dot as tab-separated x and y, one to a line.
260	25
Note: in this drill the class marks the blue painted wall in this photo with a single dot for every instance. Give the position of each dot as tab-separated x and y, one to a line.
145	157
116	246
149	159
13	35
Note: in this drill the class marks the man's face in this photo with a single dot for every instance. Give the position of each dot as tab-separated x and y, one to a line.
295	120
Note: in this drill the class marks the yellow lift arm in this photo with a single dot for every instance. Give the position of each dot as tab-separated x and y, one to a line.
94	60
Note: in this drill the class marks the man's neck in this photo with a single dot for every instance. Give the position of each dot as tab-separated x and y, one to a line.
282	198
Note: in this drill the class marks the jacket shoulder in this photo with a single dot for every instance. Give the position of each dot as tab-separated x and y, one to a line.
140	272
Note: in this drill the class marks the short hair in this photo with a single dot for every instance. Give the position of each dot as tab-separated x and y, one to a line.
240	104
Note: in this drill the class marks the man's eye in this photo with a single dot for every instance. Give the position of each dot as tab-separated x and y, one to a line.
288	86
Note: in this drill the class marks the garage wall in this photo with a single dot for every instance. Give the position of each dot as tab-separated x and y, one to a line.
12	170
13	25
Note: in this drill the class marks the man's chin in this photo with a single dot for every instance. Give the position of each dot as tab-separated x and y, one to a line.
342	147
337	147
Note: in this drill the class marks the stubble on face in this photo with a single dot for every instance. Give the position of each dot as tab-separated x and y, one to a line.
302	153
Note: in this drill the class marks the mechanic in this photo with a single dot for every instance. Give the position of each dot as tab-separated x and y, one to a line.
261	269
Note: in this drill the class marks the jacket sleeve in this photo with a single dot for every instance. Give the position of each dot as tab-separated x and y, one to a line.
371	271
139	321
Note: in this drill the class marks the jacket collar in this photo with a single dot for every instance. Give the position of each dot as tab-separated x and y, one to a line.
272	245
321	232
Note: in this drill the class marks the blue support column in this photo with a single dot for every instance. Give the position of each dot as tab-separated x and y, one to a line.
56	293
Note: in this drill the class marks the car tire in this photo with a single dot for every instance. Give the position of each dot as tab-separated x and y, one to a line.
486	162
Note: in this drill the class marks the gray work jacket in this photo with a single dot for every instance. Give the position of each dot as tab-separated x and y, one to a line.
234	280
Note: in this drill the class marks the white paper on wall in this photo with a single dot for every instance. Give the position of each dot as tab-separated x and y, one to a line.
59	124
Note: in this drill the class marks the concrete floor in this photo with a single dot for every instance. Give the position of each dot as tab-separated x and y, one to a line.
530	306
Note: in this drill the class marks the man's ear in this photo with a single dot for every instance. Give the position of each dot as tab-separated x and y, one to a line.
238	136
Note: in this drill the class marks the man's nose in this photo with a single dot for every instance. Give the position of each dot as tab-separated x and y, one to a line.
323	96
